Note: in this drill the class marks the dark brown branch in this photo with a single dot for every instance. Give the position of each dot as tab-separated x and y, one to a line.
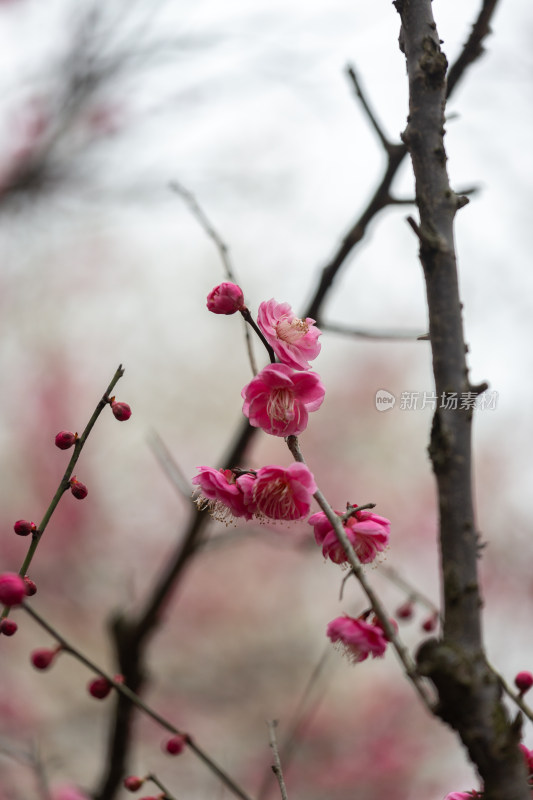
368	111
469	693
377	335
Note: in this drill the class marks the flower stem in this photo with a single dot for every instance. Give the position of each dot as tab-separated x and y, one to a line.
250	320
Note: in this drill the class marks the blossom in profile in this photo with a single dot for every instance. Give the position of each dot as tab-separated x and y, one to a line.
222	493
368	534
282	492
279	399
357	637
227	298
294	340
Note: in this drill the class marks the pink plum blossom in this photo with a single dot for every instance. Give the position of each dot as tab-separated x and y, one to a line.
293	340
227	298
282	493
358	638
463	795
368	534
222	493
12	589
68	792
279	399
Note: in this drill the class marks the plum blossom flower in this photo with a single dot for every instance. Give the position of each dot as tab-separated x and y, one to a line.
357	638
368	534
463	795
283	493
227	298
272	492
68	792
279	399
293	340
221	492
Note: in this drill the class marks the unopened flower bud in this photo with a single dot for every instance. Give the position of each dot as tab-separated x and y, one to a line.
523	681
99	688
65	439
43	658
405	611
31	587
227	298
430	623
78	489
23	527
132	783
12	589
8	627
121	411
175	745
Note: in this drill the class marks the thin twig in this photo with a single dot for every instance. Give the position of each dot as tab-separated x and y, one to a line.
65	480
169	465
516	697
223	249
398	580
384	619
368	111
276	767
377	335
133	698
152	777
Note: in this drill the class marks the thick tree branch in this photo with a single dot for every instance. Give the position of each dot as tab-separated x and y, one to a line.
469	693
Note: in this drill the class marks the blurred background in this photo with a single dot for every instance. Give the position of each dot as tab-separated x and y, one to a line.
248	106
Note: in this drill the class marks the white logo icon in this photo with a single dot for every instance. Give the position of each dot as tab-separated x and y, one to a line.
384	400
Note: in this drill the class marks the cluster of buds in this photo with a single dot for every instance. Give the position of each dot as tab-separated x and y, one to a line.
406	612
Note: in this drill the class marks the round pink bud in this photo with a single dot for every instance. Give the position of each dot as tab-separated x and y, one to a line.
523	681
31	587
227	298
65	439
99	688
405	611
24	528
8	627
121	411
175	745
12	589
132	783
42	659
78	489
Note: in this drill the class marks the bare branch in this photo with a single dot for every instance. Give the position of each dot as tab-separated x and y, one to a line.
169	465
368	111
377	335
276	767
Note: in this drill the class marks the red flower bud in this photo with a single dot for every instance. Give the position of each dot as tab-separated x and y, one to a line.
23	527
405	611
99	688
12	589
132	783
175	745
523	681
8	627
225	299
430	623
121	411
78	489
42	659
31	587
65	439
